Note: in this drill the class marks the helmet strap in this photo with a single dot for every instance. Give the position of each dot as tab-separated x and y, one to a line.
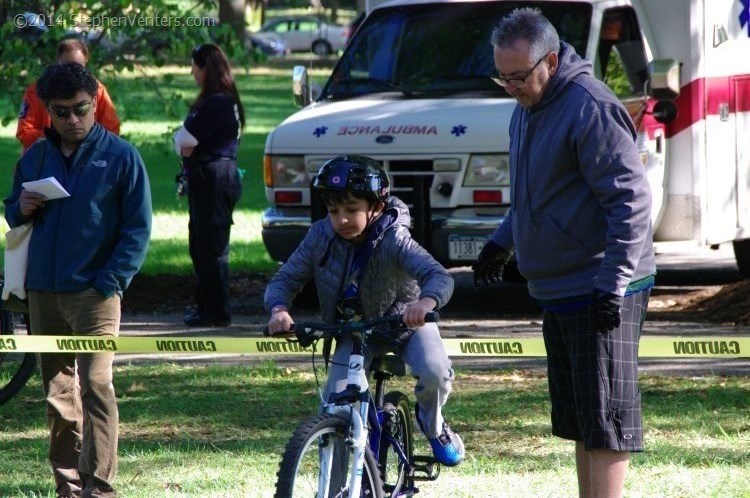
374	212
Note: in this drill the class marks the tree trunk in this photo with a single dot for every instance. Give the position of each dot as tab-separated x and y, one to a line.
232	12
257	10
334	5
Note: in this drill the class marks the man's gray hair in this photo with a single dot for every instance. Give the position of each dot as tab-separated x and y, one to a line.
526	23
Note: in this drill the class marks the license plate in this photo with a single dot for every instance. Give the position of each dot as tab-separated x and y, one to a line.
465	247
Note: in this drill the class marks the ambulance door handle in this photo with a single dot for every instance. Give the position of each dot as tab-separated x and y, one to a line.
724	111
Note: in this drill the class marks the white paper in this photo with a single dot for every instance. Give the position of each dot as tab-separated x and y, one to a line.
49	187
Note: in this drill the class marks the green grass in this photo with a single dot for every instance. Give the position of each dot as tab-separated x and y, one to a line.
266	95
220	431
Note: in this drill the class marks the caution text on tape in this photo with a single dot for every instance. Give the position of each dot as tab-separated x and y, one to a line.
650	347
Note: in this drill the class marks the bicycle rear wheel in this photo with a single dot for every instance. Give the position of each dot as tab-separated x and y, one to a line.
300	468
15	368
396	422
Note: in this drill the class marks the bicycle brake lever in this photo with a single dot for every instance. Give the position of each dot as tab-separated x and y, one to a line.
267	333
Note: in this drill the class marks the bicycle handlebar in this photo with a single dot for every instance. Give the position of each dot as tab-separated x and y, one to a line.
308	332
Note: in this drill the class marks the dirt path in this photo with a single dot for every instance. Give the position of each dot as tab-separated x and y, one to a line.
698	294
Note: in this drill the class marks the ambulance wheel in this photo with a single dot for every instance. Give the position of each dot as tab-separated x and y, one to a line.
742	255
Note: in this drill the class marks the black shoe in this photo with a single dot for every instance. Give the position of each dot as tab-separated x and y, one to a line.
190	310
190	314
197	320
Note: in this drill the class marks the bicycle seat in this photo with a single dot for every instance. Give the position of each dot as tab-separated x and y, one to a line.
389	364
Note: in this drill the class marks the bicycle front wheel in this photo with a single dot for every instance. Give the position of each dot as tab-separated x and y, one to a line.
15	368
397	424
301	473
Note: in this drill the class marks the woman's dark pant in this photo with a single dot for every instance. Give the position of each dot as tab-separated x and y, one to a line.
213	191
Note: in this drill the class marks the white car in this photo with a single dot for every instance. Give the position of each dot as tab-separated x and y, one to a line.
308	34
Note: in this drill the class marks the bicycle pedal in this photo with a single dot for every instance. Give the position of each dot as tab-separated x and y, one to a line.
404	493
425	468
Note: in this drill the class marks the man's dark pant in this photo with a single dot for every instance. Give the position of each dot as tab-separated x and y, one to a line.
214	189
81	405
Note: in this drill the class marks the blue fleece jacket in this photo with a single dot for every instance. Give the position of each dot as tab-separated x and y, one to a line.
99	235
580	214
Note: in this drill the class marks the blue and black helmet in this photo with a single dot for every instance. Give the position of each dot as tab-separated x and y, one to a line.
359	174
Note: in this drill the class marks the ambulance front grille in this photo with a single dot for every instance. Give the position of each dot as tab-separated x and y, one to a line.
411	182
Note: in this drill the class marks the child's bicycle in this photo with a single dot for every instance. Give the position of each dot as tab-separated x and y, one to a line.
357	449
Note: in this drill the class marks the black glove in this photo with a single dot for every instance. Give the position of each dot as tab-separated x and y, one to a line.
604	313
488	268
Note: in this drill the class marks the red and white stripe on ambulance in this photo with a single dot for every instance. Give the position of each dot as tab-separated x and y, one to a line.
705	149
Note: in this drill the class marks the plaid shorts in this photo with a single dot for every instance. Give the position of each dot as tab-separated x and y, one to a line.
593	378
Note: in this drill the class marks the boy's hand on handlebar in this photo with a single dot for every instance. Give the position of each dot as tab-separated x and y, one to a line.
414	314
280	323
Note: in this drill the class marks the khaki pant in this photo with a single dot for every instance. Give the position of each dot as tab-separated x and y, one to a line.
81	404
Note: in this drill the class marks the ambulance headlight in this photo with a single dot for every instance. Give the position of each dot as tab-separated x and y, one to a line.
487	170
285	171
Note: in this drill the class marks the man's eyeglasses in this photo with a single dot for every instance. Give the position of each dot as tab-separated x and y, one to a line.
516	81
64	112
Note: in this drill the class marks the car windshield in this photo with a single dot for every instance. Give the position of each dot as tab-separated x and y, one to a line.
414	51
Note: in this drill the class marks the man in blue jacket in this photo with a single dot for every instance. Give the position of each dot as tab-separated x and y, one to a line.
579	224
84	250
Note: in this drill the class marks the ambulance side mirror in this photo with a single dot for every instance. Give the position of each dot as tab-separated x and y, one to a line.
664	111
664	79
303	90
664	86
301	86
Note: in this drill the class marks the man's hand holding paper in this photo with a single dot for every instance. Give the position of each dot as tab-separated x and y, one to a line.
48	187
29	202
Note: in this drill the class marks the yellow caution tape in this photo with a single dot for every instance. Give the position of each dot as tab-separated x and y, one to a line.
650	347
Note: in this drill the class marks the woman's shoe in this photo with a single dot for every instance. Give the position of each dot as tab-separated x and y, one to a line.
196	320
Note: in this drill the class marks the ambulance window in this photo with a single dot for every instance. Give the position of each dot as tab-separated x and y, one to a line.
420	50
622	58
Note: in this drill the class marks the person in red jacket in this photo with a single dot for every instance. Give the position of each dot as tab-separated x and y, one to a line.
33	117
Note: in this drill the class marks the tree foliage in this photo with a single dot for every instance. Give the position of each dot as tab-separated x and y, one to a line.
121	34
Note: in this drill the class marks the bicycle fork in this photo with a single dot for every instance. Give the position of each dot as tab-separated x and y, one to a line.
356	441
357	431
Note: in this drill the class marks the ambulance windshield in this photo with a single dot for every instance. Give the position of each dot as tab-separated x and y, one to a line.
442	49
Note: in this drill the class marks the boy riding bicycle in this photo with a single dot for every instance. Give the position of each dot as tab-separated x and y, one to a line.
365	265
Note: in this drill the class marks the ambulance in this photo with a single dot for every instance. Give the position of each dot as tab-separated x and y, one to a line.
412	90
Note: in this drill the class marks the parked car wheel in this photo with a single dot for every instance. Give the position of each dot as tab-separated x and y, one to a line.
321	48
